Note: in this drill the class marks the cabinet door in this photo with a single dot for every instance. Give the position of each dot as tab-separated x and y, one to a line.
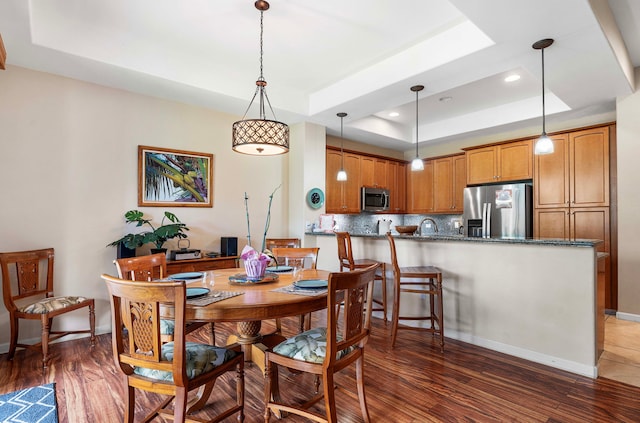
552	223
380	173
443	185
515	161
396	183
551	182
333	187
589	167
351	190
459	182
481	165
367	171
420	189
591	223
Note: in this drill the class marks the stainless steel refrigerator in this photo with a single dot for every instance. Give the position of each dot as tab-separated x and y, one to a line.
498	211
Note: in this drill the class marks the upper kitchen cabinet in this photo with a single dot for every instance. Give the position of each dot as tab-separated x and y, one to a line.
373	172
511	161
397	185
576	174
420	189
449	181
342	196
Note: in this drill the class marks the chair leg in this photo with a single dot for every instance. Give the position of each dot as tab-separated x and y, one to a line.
384	292
269	375
240	390
212	333
129	404
14	337
92	323
396	310
360	382
330	398
180	404
46	328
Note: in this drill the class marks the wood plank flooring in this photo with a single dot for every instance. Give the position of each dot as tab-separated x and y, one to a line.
413	383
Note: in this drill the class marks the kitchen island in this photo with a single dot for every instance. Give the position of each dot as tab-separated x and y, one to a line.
532	298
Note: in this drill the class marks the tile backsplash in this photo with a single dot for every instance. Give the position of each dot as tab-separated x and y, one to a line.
367	223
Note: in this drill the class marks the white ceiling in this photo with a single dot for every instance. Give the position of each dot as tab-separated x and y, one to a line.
359	57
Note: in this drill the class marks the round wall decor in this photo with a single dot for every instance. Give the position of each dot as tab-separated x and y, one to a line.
315	198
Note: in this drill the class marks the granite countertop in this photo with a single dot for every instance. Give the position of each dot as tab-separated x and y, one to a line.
462	238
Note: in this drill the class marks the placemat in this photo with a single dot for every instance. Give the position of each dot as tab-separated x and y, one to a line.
292	289
213	297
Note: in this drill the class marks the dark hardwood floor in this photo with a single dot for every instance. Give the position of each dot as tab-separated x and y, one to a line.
413	383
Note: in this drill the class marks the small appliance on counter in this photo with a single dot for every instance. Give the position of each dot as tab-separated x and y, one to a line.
384	226
498	211
184	253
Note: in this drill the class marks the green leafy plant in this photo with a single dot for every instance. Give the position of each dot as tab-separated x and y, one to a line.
157	235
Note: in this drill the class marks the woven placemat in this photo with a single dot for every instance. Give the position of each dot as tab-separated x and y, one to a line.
213	297
292	289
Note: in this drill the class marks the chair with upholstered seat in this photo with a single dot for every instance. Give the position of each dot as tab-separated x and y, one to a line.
148	268
174	368
345	257
327	350
421	280
27	283
272	243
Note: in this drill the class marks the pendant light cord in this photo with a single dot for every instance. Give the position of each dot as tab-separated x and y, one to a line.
544	130
417	91
341	145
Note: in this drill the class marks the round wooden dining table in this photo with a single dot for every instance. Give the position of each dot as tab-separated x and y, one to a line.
257	302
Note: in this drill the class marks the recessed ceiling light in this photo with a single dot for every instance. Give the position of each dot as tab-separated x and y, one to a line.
394	114
512	78
447	98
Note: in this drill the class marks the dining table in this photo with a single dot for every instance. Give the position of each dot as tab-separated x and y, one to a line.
247	303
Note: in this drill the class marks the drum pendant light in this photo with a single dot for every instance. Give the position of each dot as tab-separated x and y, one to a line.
261	137
342	175
544	144
417	163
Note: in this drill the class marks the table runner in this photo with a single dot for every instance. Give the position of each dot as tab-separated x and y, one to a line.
213	297
292	289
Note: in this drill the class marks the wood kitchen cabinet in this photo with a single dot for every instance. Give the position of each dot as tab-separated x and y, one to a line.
576	174
574	223
397	185
420	189
373	172
449	181
500	163
342	196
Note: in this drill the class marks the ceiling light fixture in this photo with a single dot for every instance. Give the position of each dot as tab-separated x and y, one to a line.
261	137
417	163
394	114
512	78
544	145
342	175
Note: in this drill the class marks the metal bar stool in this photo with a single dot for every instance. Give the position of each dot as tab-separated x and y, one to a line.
345	255
431	285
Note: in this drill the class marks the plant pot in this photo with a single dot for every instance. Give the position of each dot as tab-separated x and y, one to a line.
124	252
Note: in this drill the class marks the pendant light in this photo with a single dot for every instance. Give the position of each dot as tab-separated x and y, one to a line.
261	137
342	175
417	163
544	144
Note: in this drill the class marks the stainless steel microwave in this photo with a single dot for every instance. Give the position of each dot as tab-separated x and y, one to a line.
374	199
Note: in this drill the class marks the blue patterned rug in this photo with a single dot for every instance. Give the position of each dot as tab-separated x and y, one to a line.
31	405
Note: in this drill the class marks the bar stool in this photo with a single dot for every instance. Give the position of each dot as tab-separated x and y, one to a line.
345	255
431	285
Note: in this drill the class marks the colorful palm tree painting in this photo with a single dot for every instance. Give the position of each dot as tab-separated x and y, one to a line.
174	177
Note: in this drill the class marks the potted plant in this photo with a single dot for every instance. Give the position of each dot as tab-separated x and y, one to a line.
157	235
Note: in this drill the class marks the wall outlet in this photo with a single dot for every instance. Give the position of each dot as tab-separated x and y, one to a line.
456	224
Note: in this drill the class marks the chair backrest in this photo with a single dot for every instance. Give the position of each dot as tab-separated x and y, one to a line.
345	253
354	290
142	268
394	257
136	305
304	257
282	242
26	275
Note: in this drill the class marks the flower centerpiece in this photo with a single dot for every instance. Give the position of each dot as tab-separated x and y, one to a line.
255	263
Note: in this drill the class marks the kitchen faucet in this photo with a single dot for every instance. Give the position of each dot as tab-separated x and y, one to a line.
435	225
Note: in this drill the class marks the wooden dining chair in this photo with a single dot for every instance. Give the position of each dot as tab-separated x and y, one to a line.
28	292
148	268
345	257
302	258
326	350
421	280
272	243
174	368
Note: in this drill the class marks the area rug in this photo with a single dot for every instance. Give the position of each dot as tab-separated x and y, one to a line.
31	405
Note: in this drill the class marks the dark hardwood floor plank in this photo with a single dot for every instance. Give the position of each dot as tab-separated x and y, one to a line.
412	383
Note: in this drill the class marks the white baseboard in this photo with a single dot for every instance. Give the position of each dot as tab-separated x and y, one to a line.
627	316
4	347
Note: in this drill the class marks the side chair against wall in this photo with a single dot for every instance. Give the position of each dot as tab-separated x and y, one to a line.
272	243
304	258
28	292
148	268
422	280
345	257
174	368
327	350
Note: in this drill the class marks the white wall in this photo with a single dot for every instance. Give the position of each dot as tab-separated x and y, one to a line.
68	162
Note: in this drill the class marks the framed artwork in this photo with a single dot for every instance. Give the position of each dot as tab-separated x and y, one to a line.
174	178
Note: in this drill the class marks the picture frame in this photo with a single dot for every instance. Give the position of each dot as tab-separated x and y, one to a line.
174	178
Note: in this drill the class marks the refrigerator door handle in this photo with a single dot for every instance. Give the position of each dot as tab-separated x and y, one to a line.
484	220
487	220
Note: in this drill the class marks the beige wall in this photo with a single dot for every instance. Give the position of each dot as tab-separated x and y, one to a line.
68	162
628	206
